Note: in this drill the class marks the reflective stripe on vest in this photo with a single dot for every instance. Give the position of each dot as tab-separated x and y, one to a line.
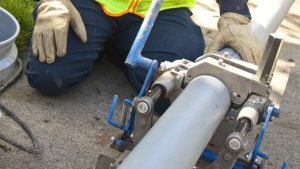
139	7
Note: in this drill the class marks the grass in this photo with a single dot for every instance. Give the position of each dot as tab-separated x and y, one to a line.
22	10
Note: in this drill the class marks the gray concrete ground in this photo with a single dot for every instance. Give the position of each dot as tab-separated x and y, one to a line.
72	128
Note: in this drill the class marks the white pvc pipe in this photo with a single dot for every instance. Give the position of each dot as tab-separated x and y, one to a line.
267	17
179	137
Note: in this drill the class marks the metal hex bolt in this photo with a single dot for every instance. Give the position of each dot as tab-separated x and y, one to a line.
226	54
256	160
112	166
247	156
234	144
142	107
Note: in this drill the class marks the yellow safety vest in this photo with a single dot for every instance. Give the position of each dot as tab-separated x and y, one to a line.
139	7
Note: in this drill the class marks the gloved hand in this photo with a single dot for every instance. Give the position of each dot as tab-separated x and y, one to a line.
235	32
50	33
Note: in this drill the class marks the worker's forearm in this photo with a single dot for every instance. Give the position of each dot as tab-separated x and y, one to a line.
236	6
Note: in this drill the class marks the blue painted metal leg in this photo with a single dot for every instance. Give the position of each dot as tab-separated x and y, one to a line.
284	166
272	111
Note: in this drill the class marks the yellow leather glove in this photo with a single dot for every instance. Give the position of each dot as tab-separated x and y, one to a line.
50	33
235	32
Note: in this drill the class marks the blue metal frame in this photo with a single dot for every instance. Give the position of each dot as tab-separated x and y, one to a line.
272	111
111	113
261	136
284	165
128	127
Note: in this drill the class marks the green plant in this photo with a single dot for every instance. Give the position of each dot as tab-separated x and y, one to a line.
22	10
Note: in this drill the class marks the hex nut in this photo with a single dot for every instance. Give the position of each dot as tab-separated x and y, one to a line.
142	107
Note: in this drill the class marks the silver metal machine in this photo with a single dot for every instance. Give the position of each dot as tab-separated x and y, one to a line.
217	102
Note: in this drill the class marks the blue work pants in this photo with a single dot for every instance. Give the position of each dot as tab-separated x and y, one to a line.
174	36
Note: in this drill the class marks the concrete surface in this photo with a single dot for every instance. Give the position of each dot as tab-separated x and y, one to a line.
72	128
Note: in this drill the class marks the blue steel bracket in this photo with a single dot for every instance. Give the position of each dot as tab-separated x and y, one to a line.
284	165
271	111
112	111
128	127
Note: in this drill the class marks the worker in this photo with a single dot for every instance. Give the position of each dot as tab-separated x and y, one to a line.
69	36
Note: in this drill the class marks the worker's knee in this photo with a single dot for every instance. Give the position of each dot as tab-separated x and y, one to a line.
49	82
53	79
